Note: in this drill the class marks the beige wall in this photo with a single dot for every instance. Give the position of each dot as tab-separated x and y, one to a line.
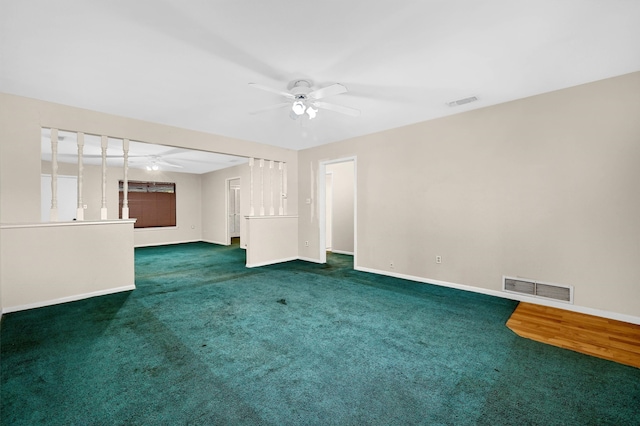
43	264
545	188
271	239
19	161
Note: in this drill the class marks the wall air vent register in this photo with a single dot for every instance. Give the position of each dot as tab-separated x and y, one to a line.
539	289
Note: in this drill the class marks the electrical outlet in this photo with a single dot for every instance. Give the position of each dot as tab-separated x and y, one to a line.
306	243
391	264
438	259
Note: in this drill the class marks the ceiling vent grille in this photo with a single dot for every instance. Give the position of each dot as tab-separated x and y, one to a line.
562	293
462	101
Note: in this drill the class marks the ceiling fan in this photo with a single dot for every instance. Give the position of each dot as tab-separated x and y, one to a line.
149	162
303	100
154	162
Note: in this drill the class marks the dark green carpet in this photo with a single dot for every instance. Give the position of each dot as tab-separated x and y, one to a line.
204	340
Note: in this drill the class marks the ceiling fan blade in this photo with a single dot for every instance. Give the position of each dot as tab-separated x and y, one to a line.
338	108
334	89
269	108
272	90
113	156
166	163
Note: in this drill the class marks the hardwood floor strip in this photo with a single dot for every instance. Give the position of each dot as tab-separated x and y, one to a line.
601	337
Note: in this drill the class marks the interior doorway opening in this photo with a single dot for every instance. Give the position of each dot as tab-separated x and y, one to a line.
337	198
233	210
66	197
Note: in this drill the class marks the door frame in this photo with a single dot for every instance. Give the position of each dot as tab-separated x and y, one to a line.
328	222
227	185
322	206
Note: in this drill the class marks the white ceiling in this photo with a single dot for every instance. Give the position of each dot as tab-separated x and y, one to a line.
188	63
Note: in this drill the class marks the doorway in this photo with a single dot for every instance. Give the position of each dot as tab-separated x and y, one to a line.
337	199
233	208
67	197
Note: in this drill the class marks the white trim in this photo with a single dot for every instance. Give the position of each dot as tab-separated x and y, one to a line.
308	259
322	171
322	211
166	243
328	231
216	242
69	299
504	295
59	224
435	282
350	253
573	308
271	217
156	229
271	262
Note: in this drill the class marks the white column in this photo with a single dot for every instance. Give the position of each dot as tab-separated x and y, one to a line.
271	207
262	187
53	215
281	208
125	183
103	209
80	209
251	209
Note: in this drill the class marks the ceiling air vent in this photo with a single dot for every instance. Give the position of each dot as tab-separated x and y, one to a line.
562	293
462	101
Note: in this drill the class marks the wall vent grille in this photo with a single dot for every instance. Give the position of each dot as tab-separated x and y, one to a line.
561	293
462	101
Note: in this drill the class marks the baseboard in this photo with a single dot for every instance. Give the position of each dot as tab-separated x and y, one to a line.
222	244
68	299
215	242
521	298
271	262
165	243
308	259
350	253
574	308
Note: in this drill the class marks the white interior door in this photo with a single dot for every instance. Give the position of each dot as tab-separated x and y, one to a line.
234	208
67	197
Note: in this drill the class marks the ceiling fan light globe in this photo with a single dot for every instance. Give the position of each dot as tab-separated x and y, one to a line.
311	112
298	108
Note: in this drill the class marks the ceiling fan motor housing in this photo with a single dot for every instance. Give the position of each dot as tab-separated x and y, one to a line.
300	89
